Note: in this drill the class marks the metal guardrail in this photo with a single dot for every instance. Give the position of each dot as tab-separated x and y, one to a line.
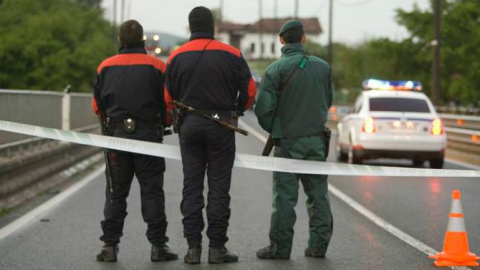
458	110
463	133
461	121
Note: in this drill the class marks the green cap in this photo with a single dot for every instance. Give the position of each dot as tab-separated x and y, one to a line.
290	25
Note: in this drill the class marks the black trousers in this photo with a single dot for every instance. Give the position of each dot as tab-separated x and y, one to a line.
206	147
149	172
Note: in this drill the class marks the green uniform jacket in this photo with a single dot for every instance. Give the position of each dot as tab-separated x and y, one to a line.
303	105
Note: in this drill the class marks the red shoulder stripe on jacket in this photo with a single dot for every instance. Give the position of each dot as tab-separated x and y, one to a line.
199	45
169	106
133	59
95	106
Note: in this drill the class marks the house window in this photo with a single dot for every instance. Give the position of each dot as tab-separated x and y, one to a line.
273	48
252	47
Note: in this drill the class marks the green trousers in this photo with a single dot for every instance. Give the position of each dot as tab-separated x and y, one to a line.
285	196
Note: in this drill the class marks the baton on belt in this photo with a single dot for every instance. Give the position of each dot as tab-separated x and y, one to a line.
104	124
218	121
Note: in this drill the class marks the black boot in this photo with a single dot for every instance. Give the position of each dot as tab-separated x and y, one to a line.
221	255
161	252
270	253
193	255
108	253
309	253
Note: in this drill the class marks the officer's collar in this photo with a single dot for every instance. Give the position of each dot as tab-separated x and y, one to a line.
201	35
133	48
292	48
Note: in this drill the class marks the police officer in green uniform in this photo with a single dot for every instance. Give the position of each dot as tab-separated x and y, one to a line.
292	105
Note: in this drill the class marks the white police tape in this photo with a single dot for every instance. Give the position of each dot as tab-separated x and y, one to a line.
241	160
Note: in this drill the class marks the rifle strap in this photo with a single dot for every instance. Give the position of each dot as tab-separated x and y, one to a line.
187	81
300	67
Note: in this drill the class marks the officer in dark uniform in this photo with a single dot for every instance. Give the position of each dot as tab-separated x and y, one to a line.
213	78
128	92
292	104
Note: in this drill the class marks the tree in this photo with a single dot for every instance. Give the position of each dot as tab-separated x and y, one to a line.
316	49
51	43
411	58
90	3
460	53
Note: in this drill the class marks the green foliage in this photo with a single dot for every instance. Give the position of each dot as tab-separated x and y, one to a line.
4	211
412	58
51	43
316	49
90	3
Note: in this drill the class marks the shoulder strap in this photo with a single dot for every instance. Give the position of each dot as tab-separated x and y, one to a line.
301	66
195	66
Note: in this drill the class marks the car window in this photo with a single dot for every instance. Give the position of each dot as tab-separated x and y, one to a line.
385	104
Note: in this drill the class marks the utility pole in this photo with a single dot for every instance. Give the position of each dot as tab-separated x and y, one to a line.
220	11
260	26
275	9
330	34
275	13
114	21
122	12
129	8
436	52
296	9
114	12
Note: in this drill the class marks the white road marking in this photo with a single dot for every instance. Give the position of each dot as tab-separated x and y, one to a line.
365	212
48	205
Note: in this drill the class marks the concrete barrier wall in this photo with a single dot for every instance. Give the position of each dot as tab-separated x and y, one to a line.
42	108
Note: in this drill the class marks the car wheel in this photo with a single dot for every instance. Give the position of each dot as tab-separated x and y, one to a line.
436	163
351	157
341	156
417	163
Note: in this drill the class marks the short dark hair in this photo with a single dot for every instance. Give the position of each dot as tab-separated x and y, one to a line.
131	31
293	35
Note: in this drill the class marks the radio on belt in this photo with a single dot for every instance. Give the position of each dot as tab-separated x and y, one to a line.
129	125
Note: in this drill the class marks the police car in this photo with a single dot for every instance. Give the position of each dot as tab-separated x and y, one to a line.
392	119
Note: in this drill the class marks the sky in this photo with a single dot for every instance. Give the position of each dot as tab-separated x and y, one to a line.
354	21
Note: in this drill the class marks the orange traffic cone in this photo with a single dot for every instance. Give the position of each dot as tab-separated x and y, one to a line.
455	248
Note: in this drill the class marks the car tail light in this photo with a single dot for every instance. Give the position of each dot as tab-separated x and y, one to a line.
437	127
369	125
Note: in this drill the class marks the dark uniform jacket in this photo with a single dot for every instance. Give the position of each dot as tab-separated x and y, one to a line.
301	109
209	75
131	84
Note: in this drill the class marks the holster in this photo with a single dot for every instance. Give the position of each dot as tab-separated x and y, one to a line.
233	119
159	130
327	134
177	119
109	126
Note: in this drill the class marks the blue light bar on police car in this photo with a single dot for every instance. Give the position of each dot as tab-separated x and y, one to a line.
374	84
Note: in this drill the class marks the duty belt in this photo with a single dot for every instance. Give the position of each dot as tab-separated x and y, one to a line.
119	124
216	114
